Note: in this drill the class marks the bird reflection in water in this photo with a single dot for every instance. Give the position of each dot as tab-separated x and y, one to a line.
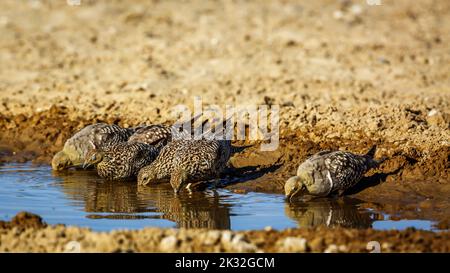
125	200
342	212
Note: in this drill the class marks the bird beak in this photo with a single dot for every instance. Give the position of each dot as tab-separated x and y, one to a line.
292	194
86	165
290	197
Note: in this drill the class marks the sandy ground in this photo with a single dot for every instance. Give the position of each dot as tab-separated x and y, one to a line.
345	74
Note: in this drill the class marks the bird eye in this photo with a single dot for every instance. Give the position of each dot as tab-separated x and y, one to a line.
93	158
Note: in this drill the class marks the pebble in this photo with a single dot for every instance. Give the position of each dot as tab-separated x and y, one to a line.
211	237
169	243
293	244
268	228
436	118
331	249
317	243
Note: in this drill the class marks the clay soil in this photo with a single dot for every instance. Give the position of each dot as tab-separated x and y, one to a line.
346	75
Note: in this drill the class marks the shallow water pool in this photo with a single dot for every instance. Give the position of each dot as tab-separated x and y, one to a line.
81	198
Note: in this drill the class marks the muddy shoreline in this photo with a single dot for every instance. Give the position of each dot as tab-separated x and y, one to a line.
405	182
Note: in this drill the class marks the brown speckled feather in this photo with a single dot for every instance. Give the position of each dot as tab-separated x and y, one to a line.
156	135
328	172
196	159
124	160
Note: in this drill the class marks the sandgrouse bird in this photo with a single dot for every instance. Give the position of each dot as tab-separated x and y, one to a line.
75	148
120	161
185	161
329	172
158	135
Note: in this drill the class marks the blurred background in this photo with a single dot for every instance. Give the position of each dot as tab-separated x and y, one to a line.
137	58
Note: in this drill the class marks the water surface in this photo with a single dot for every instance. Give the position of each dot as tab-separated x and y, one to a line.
81	198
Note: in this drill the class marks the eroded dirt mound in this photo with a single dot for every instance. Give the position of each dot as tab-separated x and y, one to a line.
39	136
24	220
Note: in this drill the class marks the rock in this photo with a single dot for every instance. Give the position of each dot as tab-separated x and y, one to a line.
356	9
437	118
24	220
268	228
336	249
168	243
211	238
338	15
331	249
240	244
236	242
293	244
226	237
317	244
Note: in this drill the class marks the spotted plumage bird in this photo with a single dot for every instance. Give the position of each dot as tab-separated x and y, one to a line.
330	172
75	148
120	161
185	161
158	135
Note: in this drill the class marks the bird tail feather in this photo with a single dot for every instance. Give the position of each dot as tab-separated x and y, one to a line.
238	149
374	162
371	152
381	160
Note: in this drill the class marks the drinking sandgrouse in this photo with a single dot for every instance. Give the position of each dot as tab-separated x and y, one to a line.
76	147
120	161
329	172
183	161
158	135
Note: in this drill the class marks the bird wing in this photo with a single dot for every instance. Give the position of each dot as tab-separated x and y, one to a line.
152	135
111	133
345	169
143	155
319	154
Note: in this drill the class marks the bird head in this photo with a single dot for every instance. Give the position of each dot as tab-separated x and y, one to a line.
145	176
60	161
93	157
293	186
